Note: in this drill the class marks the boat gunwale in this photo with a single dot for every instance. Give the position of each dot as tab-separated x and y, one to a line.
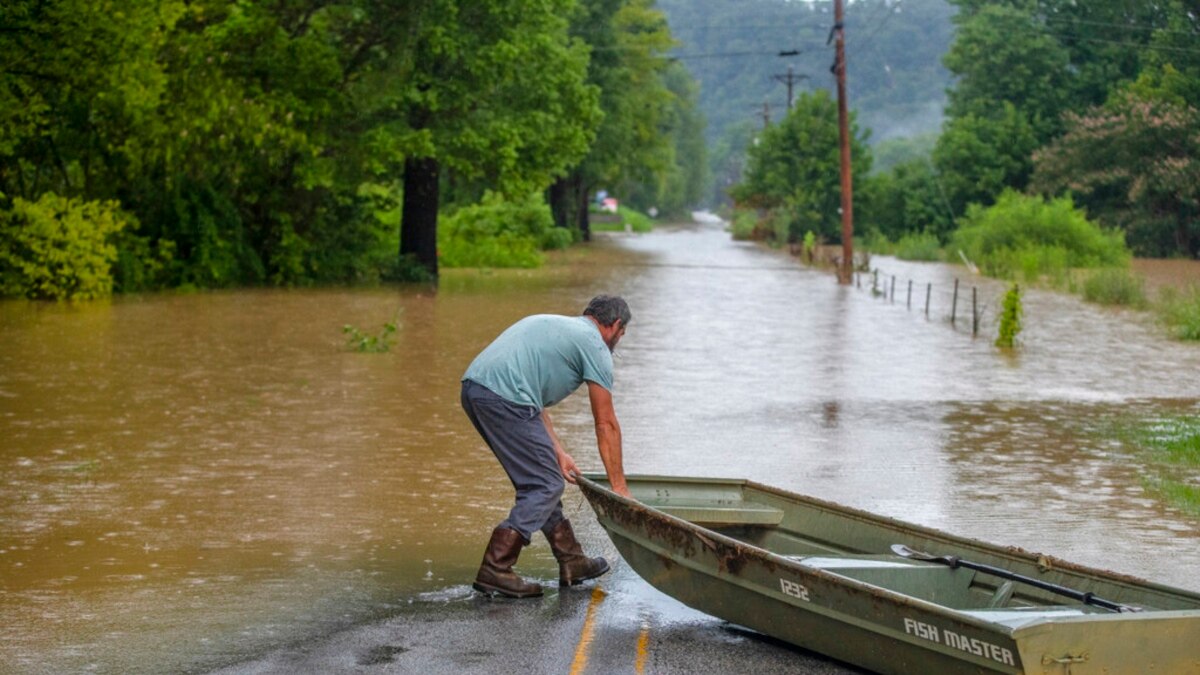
587	481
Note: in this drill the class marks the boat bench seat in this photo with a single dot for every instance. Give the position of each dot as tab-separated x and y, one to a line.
855	561
707	513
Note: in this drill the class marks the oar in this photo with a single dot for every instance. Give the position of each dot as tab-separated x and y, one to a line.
953	561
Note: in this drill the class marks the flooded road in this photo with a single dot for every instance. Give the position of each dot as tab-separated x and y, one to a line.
193	480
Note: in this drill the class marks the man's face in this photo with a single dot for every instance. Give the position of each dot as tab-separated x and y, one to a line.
613	334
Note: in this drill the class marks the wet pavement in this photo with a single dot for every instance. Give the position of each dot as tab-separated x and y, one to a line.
207	481
616	624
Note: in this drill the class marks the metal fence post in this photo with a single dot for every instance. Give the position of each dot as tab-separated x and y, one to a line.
974	311
954	304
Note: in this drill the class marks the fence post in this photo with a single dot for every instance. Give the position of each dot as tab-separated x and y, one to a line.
954	304
893	292
908	304
974	311
928	291
874	282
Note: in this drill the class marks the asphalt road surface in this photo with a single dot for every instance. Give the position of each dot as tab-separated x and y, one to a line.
616	624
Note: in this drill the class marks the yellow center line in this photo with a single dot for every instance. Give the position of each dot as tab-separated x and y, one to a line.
643	649
585	637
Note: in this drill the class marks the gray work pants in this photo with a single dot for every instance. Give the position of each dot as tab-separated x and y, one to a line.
519	439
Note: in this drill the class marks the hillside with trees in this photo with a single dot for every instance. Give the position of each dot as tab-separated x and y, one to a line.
1096	102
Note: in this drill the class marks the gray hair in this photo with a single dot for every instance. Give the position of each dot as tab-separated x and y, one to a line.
606	309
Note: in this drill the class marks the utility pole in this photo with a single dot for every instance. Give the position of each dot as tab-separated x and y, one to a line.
790	79
766	114
846	271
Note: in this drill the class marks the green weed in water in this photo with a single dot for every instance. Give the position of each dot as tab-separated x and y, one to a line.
1010	318
358	341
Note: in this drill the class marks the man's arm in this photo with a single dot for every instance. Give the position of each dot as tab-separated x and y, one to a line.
608	437
566	463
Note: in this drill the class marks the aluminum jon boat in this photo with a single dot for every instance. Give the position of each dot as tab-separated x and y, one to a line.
888	595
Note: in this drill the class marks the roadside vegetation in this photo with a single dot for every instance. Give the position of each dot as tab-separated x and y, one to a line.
191	145
1055	181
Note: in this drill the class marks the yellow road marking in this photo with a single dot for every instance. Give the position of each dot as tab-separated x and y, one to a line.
585	637
643	649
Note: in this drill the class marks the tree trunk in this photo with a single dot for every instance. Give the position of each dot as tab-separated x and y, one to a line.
418	216
568	198
581	202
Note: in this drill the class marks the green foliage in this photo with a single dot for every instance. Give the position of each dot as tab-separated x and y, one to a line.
794	170
1180	311
744	224
359	341
907	150
1022	236
1137	162
922	246
638	222
1114	286
1010	318
500	233
58	248
979	156
635	220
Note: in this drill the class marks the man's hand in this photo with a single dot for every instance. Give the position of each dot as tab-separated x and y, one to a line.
566	464
623	490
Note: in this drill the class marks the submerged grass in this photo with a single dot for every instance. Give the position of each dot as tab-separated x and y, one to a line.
1170	446
1115	286
1180	311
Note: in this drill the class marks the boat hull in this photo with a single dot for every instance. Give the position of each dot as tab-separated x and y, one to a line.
860	605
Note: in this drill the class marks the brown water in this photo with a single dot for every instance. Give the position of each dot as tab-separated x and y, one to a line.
190	480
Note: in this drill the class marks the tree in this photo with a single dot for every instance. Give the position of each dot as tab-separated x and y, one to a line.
978	156
795	166
1137	163
628	39
539	115
682	182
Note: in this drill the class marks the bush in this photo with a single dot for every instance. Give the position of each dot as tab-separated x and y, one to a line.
58	248
1113	286
919	246
1180	311
637	221
1027	236
743	225
875	242
500	233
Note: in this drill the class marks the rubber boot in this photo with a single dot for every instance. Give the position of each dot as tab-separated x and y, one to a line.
573	566
495	573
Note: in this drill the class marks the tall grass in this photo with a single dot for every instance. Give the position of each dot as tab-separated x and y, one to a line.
1180	312
1114	286
922	246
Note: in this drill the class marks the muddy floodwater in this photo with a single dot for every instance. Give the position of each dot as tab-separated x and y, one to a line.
191	480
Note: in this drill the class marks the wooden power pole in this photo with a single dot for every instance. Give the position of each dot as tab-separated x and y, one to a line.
846	271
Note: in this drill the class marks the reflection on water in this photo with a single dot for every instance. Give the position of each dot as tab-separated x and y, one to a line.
189	480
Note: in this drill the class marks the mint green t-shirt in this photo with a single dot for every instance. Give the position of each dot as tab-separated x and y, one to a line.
542	358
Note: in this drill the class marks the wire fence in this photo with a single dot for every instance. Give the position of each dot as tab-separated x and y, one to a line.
961	305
